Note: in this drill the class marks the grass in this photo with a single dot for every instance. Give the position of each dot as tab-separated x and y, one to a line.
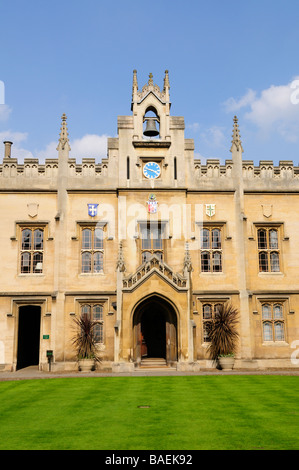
185	413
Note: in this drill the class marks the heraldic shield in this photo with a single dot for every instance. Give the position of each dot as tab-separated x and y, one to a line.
92	209
210	209
152	204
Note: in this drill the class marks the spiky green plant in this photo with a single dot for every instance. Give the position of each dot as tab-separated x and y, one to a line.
222	332
84	338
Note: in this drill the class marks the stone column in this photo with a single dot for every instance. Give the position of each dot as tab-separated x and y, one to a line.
240	235
60	262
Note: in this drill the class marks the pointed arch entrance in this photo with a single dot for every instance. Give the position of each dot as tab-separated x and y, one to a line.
155	330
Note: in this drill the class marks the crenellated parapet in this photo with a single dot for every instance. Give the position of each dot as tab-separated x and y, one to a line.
13	173
31	168
88	168
213	168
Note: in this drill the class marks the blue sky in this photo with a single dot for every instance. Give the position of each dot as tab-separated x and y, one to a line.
224	58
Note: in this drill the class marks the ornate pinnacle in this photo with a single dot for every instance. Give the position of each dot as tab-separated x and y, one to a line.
63	137
187	259
135	84
236	136
166	80
120	265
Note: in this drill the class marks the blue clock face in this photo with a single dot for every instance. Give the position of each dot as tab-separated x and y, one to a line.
151	170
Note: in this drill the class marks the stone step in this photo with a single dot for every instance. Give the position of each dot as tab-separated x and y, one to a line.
153	362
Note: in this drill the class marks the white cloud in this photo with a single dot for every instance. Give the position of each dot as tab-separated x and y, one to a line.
198	155
194	126
18	139
214	136
15	137
49	152
274	111
90	145
233	105
5	111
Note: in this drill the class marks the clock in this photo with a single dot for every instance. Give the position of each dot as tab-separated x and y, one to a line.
151	170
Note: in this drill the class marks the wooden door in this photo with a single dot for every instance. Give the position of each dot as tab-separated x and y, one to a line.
137	342
171	342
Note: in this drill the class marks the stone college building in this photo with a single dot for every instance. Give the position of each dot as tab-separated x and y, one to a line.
148	242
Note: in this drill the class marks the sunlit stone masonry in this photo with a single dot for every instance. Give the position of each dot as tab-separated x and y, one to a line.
148	243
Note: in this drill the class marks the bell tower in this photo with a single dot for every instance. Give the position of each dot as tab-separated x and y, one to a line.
151	107
151	147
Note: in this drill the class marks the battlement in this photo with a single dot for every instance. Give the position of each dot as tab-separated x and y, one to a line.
32	168
213	168
266	169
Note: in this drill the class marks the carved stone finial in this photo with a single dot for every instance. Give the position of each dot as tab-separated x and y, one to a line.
166	80
150	80
236	142
120	265
187	259
63	141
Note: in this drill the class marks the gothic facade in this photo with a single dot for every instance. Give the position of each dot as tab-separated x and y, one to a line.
148	242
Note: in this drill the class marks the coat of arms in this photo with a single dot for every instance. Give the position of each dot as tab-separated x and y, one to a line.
267	210
210	209
32	209
92	209
152	204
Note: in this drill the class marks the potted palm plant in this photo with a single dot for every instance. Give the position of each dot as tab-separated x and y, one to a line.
85	344
223	335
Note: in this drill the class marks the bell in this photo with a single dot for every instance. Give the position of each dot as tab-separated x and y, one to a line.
151	130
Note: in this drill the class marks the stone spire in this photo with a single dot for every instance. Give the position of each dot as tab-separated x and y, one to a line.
236	142
63	143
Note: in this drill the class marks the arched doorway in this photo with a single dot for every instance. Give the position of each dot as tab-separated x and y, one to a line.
28	336
155	330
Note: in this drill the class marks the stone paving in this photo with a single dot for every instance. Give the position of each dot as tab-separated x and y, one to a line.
33	373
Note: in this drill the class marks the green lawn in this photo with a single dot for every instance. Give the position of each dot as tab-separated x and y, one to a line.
185	413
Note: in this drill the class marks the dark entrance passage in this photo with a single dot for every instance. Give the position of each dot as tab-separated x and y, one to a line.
28	336
155	330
